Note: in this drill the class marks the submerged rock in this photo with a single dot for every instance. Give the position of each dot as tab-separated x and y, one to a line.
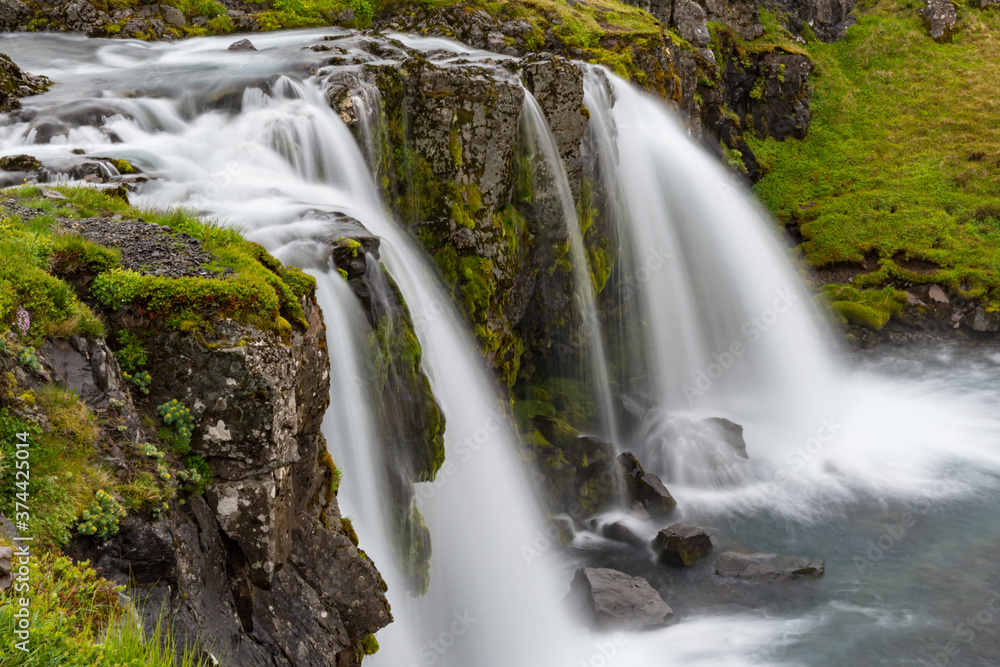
766	567
681	545
614	599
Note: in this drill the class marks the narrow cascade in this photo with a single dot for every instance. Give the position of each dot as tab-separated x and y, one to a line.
549	168
729	329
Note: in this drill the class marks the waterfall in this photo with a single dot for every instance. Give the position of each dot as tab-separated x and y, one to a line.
728	327
710	320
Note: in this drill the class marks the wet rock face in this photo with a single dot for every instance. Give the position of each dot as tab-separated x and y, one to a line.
557	84
613	599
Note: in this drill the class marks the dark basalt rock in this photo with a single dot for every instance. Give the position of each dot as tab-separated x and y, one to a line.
681	545
732	432
613	599
766	567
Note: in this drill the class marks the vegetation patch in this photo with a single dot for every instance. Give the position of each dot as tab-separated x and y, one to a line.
900	161
77	620
257	289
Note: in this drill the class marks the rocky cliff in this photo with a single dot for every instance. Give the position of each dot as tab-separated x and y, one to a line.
212	441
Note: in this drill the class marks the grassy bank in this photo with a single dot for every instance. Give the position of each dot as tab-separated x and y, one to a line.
901	166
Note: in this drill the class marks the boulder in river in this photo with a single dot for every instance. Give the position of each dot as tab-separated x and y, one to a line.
766	567
242	45
681	545
616	600
620	532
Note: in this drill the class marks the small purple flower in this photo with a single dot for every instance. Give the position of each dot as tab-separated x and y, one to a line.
23	321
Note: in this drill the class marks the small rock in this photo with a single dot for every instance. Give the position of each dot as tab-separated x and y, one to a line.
50	194
766	567
617	600
242	45
983	320
620	532
172	15
937	294
939	18
6	554
681	545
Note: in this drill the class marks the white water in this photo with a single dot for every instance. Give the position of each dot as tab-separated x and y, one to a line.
919	436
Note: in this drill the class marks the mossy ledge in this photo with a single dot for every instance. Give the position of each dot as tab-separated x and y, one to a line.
250	286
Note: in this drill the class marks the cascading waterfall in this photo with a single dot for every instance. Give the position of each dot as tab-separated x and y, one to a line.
277	161
728	326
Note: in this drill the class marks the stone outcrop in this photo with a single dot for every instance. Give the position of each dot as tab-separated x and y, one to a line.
645	488
13	82
261	567
613	599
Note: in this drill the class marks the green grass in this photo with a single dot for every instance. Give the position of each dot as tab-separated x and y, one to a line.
64	474
77	621
902	159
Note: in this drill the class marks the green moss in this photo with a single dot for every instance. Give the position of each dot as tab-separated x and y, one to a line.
367	646
30	251
897	162
351	245
867	308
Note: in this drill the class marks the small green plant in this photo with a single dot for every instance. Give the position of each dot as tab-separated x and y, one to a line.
122	428
163	471
116	404
29	359
101	519
177	415
130	354
151	451
141	380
